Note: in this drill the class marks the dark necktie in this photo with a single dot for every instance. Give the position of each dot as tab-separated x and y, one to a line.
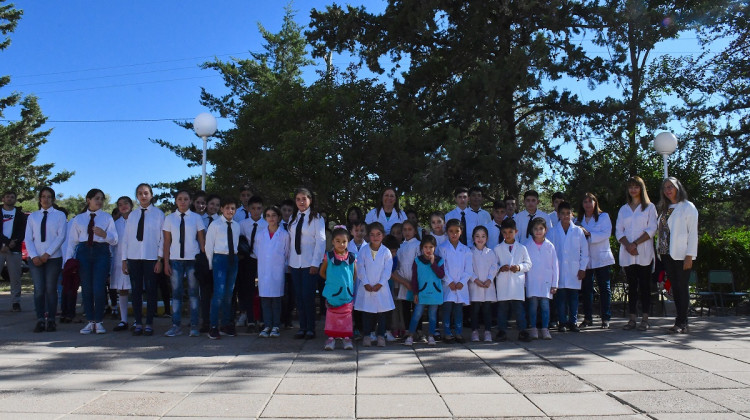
298	235
463	228
230	240
90	230
210	219
286	226
141	221
252	237
44	227
499	235
246	213
510	248
182	235
528	227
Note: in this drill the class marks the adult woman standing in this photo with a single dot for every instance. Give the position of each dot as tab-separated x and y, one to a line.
387	212
678	244
635	229
597	227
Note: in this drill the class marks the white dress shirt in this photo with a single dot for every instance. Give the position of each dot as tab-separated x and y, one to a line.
150	248
313	241
79	228
473	219
55	233
397	216
246	230
631	224
193	224
522	223
217	240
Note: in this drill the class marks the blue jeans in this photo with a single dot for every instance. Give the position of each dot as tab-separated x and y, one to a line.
271	311
417	315
534	303
605	294
502	314
142	277
304	293
93	271
181	269
368	318
45	287
567	306
457	310
225	273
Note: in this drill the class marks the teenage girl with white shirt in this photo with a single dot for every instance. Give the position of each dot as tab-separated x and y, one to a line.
117	279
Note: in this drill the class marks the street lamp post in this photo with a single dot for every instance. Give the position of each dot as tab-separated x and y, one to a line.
665	144
204	126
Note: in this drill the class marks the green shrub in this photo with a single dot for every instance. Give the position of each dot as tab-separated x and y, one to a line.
727	250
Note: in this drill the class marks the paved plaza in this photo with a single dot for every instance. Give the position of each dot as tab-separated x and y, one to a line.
611	374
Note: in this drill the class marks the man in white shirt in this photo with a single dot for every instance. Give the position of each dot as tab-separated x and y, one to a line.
469	219
524	218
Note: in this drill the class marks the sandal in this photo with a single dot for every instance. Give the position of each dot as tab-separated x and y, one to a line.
644	326
148	331
138	330
630	325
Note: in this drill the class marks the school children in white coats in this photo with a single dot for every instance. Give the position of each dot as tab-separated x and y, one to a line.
458	271
272	249
541	279
373	296
402	276
510	282
117	279
427	273
482	285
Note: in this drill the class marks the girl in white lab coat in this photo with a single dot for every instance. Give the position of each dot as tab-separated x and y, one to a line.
407	252
597	227
635	230
542	278
272	249
481	284
513	262
458	271
373	296
117	279
573	257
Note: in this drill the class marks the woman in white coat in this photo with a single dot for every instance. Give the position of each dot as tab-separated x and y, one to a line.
373	297
387	213
272	249
597	227
635	229
678	244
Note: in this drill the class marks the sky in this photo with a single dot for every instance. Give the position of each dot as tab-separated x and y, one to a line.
101	68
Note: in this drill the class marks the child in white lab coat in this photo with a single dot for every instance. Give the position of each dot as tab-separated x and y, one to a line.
458	271
542	278
373	296
514	262
482	285
272	249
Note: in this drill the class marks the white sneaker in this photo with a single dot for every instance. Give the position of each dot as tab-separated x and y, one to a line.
381	341
348	344
431	341
330	344
545	334
366	341
100	328
373	337
275	332
475	336
174	331
242	321
389	336
265	333
409	341
89	328
487	336
533	333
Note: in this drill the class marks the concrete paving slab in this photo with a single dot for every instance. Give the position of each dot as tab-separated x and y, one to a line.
100	381
631	382
578	404
676	401
401	406
623	417
698	416
158	383
701	380
307	368
318	385
238	385
45	401
659	366
391	370
310	406
473	385
12	380
550	384
743	377
538	369
597	368
29	416
458	369
276	370
121	403
98	417
734	399
213	406
485	405
396	385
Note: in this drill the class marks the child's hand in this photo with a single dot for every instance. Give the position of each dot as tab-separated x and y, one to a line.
377	287
581	274
487	283
553	290
478	283
505	268
431	258
416	299
459	286
368	288
515	268
452	285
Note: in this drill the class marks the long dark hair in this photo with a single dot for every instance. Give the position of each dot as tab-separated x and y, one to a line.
313	214
664	202
380	202
89	195
49	190
637	181
597	210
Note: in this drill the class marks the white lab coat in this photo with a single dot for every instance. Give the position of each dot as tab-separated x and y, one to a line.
273	254
406	254
397	216
631	225
352	247
484	267
374	271
683	231
545	272
509	285
600	253
458	269
117	279
572	254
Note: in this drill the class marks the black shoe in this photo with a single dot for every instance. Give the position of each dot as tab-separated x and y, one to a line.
309	335
458	338
586	323
501	336
148	331
299	335
214	333
448	339
137	329
228	330
16	307
122	326
605	325
523	335
572	327
561	328
40	327
51	326
204	329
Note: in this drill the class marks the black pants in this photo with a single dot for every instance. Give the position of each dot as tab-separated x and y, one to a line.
679	279
484	308
244	287
639	287
287	301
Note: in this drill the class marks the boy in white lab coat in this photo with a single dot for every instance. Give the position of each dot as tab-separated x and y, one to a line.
514	262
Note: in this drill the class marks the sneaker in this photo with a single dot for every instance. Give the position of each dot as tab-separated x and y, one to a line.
194	332
309	335
644	326
533	333
573	328
502	336
430	341
475	336
275	332
545	334
16	307
487	336
459	338
373	337
524	336
605	325
242	320
356	335
389	337
366	341
561	328
348	344
89	328
381	341
148	331
137	329
448	339
586	323
409	341
122	326
40	327
299	335
630	325
330	344
174	331
265	333
228	330
214	333
51	326
100	328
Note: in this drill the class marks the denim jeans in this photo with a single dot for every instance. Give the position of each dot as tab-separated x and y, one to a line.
417	315
93	270
567	306
271	311
457	310
605	294
369	318
304	285
225	273
180	270
485	308
142	277
502	314
534	303
45	287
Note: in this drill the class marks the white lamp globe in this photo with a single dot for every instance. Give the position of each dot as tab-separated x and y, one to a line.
204	124
665	143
